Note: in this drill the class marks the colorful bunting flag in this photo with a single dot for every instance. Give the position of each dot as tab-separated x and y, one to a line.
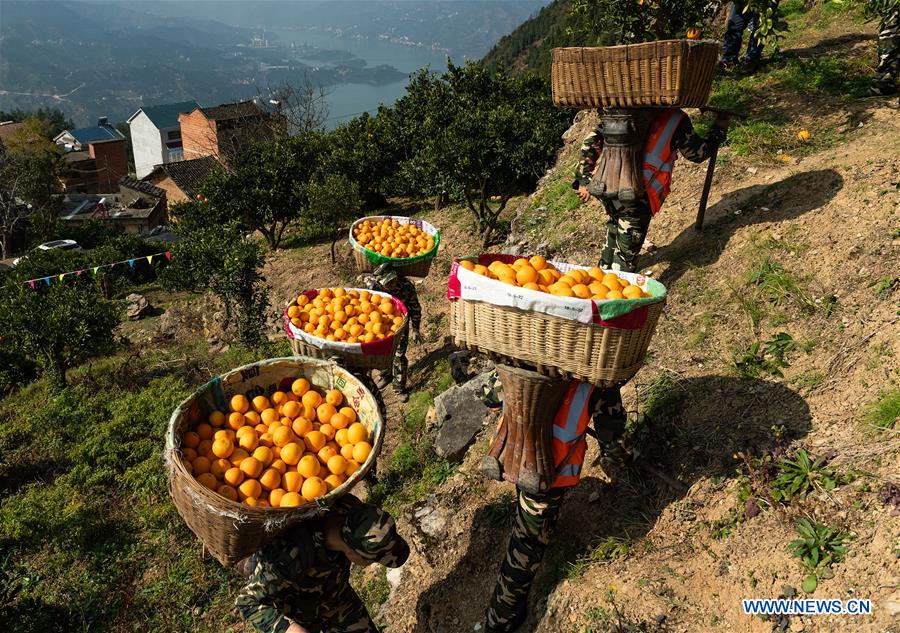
61	276
31	283
47	280
131	263
168	255
95	269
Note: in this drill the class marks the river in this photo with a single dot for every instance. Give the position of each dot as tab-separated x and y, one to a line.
350	99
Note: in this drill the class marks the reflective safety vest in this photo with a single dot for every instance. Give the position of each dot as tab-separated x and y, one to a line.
659	157
569	427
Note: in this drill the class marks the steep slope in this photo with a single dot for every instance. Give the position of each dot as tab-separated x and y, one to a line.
529	45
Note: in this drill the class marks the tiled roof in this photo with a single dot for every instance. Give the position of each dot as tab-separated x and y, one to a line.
166	115
188	174
8	127
233	111
142	186
86	135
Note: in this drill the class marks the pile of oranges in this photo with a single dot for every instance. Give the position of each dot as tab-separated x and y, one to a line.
346	315
392	239
539	274
279	451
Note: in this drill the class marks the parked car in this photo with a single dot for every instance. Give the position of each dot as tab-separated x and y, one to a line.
66	245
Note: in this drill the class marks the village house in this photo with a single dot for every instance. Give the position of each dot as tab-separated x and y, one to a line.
137	208
95	158
181	180
156	135
222	130
8	128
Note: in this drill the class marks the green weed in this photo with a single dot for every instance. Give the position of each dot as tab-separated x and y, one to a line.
799	475
884	413
884	286
375	591
768	357
780	286
500	512
818	547
809	380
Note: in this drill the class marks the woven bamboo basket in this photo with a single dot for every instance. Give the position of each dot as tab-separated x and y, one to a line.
554	346
231	531
667	73
349	355
419	266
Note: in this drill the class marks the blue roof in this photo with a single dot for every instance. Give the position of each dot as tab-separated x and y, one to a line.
166	115
87	135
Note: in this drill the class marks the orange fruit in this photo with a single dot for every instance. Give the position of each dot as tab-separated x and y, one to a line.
218	467
189	454
596	274
264	455
538	263
347	451
328	431
361	451
581	291
223	447
632	292
279	465
204	430
249	488
262	503
252	467
291	453
275	496
249	441
339	421
313	488
228	492
468	264
314	440
204	448
292	481
291	409
283	435
301	426
308	466
336	465
291	500
278	397
216	419
238	456
526	275
251	501
270	479
260	404
234	476
545	276
240	404
325	411
334	481
352	467
326	453
334	397
252	418
206	479
357	432
190	439
266	439
201	465
598	290
236	420
614	294
341	436
311	399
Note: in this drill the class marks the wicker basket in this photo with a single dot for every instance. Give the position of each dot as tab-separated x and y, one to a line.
350	356
229	530
667	73
418	266
601	355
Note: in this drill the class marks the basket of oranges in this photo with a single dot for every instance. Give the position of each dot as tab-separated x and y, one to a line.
408	244
267	445
356	325
573	321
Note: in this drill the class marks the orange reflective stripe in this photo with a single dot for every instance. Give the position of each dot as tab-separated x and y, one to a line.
569	426
659	158
659	148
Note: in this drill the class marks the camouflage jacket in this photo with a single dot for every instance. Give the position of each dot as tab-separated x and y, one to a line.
294	581
405	291
692	146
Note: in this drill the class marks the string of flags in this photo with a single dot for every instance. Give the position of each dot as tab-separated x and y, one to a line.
32	283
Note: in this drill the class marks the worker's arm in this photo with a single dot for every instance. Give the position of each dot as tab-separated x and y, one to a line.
257	600
692	146
590	153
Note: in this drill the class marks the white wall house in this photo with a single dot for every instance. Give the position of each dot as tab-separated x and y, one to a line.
156	135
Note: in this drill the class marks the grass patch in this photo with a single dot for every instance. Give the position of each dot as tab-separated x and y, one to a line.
764	358
809	379
780	286
374	591
553	204
884	286
885	411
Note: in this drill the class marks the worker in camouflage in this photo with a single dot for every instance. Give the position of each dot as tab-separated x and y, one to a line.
300	583
888	50
627	222
385	279
537	514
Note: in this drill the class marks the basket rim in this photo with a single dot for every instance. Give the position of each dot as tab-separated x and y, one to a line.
415	259
701	42
351	351
176	466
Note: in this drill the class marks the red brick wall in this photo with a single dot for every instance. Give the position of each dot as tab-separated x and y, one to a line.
198	135
111	163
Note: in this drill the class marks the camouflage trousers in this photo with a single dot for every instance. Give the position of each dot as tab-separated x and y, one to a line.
626	229
536	515
888	51
347	614
400	367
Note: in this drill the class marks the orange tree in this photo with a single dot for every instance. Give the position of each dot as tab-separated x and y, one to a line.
607	22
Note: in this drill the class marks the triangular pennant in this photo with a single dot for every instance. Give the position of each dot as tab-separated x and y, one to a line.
95	269
149	259
131	263
78	273
31	283
61	276
168	255
47	280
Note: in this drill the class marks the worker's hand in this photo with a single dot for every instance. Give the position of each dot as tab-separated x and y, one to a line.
716	136
296	628
584	194
415	337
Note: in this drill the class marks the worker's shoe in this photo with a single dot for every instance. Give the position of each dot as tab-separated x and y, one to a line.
750	66
884	88
382	380
728	66
402	393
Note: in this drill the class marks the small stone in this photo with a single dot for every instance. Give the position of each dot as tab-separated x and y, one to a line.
797	625
752	171
594	497
892	605
138	306
477	627
393	576
459	413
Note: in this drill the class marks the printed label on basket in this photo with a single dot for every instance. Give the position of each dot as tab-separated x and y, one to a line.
620	313
383	347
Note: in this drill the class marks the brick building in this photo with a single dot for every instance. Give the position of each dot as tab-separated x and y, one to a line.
222	130
180	180
95	158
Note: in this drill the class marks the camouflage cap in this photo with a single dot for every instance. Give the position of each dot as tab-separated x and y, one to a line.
386	274
372	533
